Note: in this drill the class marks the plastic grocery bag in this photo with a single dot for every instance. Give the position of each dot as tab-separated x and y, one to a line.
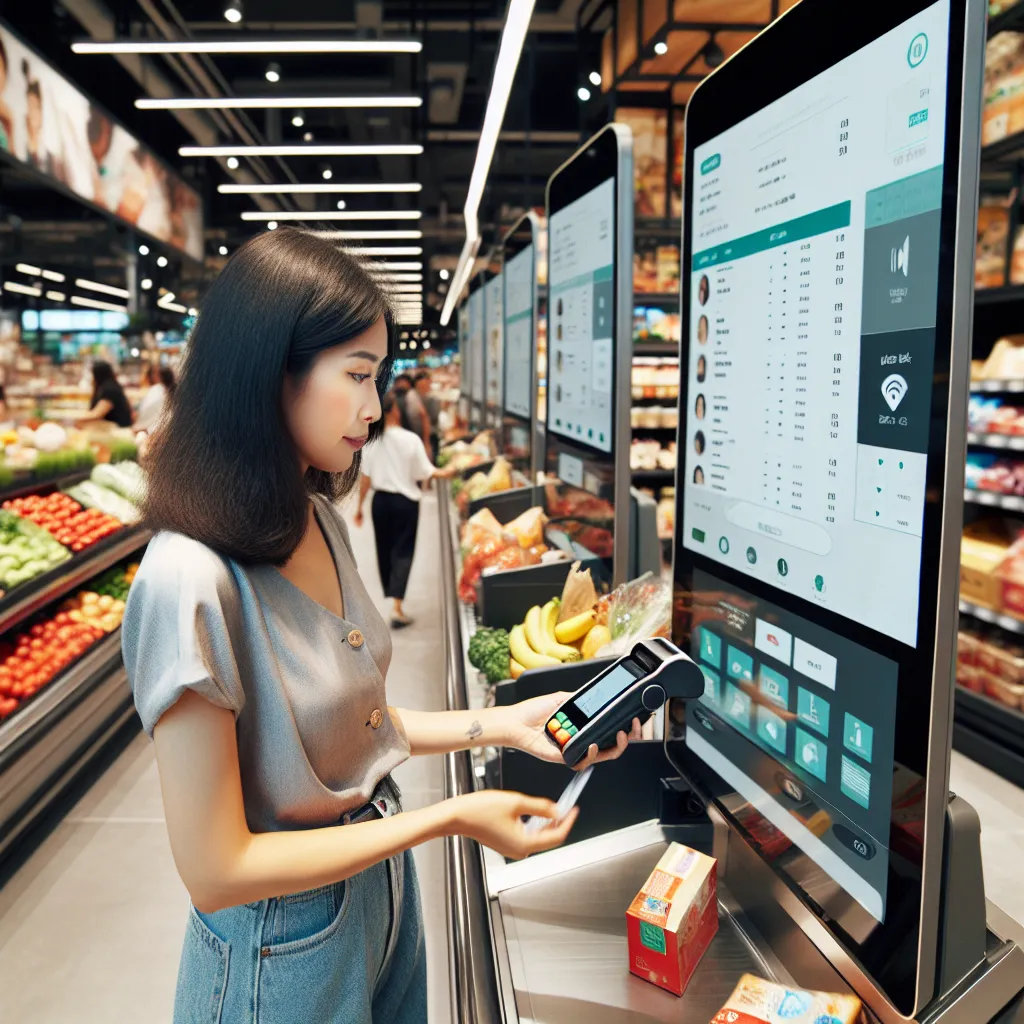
637	610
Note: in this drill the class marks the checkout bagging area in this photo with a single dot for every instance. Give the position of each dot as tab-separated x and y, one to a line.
782	844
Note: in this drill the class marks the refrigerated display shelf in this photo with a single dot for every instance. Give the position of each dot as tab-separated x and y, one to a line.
983	614
992	296
46	746
989	440
655	298
667	349
1007	502
997	386
25	486
990	733
30	597
652	476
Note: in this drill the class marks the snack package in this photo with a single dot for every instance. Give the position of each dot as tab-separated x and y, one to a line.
755	1001
528	528
673	918
578	594
479	527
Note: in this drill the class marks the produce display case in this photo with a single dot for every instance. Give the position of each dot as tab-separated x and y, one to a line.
63	690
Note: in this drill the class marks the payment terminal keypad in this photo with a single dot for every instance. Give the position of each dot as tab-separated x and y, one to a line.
561	729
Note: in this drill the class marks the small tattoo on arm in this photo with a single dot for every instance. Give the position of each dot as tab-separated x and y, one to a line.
475	730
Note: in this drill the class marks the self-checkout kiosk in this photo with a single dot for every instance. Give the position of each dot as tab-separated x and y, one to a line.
828	243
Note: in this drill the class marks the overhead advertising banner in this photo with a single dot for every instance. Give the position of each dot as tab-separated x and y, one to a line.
46	123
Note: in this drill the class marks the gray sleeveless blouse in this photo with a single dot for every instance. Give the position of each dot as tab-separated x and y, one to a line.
307	688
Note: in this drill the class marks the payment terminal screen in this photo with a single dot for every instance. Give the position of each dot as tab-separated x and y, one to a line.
801	723
815	235
581	282
494	344
519	300
606	690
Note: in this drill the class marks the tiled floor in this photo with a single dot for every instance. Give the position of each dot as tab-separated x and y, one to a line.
91	926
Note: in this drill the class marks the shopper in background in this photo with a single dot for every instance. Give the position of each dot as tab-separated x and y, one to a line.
258	662
415	416
394	467
151	409
432	405
109	401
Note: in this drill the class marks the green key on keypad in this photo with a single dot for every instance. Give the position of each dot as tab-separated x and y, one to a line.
562	718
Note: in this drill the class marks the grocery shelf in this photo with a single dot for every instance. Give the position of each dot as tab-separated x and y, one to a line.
989	440
45	746
29	597
666	349
1007	502
23	488
997	386
993	296
1004	151
661	431
1011	18
653	398
980	612
990	733
653	476
655	298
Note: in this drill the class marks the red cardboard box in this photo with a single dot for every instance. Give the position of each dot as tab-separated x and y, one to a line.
674	917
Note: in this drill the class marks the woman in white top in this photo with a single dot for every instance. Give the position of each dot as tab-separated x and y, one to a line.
394	467
161	385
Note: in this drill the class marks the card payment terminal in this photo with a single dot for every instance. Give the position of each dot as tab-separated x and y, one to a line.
635	686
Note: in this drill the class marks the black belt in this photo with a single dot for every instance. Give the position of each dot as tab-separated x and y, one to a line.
386	801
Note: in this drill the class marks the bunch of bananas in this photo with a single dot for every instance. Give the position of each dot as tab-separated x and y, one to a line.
541	641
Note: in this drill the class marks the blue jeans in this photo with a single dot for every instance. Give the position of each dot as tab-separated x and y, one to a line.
329	956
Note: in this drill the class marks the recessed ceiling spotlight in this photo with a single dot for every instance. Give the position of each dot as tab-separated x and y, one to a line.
271	225
223	250
595	78
327	174
232	162
273	72
233	11
307	137
341	204
444	275
161	261
298	121
143	250
584	93
661	48
146	283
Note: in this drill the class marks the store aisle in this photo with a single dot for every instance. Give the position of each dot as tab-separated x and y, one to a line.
91	926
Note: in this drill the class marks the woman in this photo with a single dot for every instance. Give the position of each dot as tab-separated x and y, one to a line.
395	467
109	401
257	662
161	386
699	407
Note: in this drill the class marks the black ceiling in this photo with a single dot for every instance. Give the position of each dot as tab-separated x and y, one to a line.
452	74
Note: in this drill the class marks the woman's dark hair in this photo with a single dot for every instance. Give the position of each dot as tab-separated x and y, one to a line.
3	54
32	87
165	375
102	373
223	468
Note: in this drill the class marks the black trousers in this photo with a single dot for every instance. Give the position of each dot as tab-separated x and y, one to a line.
395	520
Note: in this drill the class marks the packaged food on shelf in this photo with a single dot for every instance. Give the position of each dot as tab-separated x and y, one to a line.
993	415
983	547
666	513
1017	258
990	662
998	474
1005	361
1003	113
992	234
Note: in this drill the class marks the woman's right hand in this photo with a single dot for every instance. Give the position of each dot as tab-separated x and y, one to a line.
493	817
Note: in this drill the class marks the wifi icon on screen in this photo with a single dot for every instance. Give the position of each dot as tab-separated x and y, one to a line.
894	387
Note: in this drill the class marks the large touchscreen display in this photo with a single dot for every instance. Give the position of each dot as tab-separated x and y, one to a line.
494	345
815	240
581	283
520	295
801	723
476	346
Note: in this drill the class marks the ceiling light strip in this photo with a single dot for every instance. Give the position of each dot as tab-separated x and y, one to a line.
22	289
353	188
27	268
397	278
307	149
56	296
274	46
375	236
513	35
375	250
275	102
52	275
260	215
382	268
81	300
106	289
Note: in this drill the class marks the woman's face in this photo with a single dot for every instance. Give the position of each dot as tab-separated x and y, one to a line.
329	412
702	329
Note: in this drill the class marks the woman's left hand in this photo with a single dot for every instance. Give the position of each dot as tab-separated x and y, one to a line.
528	719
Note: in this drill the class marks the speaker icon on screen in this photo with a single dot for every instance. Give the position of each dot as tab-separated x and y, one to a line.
900	258
894	387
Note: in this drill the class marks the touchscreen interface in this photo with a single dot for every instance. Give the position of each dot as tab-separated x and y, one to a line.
800	722
494	341
476	345
519	300
620	678
815	237
580	315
